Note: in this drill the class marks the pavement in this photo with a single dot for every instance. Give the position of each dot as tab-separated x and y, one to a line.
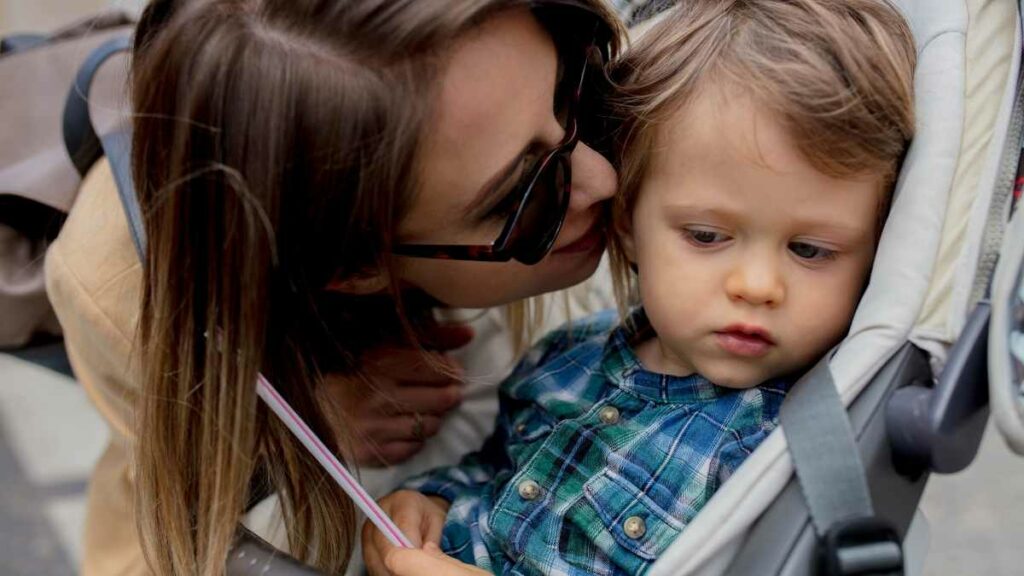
50	436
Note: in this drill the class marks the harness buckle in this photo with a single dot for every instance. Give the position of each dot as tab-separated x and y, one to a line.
861	546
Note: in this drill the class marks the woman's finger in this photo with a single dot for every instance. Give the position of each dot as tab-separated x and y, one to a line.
397	452
400	428
444	337
410	365
428	427
424	399
403	399
373	455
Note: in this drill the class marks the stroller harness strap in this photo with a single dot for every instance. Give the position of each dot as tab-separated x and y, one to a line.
852	540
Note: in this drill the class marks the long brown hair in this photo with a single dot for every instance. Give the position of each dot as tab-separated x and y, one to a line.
275	150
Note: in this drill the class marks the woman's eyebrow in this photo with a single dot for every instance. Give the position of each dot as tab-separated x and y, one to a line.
489	195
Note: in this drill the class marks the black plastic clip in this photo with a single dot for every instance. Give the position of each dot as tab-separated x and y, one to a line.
867	545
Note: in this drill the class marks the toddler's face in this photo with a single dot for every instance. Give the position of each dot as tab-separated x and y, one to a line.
751	262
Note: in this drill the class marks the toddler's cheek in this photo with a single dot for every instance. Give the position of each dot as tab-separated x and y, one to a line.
814	343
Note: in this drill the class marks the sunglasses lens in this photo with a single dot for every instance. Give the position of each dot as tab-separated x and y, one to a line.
592	110
543	213
570	73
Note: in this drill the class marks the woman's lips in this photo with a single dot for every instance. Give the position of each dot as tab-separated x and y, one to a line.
742	340
586	243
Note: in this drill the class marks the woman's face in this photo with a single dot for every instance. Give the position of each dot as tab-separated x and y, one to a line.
495	116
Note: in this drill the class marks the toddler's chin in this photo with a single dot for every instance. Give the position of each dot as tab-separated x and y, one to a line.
737	377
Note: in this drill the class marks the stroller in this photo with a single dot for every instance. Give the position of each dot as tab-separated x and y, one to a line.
936	338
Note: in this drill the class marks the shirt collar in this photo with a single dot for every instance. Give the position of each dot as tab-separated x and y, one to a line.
623	369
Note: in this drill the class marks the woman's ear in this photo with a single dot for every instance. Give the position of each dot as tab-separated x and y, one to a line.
361	284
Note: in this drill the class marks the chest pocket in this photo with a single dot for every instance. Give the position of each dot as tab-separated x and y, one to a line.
529	425
626	526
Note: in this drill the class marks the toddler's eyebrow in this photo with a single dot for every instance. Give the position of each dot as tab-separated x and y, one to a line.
837	230
835	223
689	210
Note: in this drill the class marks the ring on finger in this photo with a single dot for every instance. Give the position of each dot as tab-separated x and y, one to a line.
417	427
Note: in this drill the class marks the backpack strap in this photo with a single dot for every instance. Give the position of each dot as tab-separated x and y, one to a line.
85	147
117	146
80	139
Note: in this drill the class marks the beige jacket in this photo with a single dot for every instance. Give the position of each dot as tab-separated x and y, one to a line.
93	279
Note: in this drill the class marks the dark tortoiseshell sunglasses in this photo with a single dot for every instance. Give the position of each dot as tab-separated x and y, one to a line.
541	199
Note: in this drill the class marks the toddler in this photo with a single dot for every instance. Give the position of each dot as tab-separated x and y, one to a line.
758	146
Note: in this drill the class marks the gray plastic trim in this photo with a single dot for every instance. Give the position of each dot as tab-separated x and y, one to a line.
252	556
941	427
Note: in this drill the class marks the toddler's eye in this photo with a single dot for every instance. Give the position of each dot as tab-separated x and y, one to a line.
701	237
810	251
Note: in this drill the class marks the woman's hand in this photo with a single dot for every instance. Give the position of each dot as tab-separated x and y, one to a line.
428	560
402	400
419	517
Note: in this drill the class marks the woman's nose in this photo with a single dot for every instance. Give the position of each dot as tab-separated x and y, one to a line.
757	281
593	179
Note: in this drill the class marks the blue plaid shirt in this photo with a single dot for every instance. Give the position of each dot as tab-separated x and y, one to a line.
596	464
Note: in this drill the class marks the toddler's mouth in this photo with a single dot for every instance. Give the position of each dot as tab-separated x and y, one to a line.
745	340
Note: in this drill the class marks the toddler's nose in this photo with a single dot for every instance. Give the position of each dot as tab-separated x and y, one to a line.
756	281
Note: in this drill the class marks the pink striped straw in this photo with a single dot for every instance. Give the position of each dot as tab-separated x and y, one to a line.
330	463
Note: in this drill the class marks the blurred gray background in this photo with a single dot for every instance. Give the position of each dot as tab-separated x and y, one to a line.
45	15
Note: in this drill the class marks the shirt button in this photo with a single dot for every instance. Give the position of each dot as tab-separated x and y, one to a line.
609	415
520	428
634	527
528	490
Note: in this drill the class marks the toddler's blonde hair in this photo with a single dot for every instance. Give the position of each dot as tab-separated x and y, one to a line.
838	74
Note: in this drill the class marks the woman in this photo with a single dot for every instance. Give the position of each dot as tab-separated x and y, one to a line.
316	177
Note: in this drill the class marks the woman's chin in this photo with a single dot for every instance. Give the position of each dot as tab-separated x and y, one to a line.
485	285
